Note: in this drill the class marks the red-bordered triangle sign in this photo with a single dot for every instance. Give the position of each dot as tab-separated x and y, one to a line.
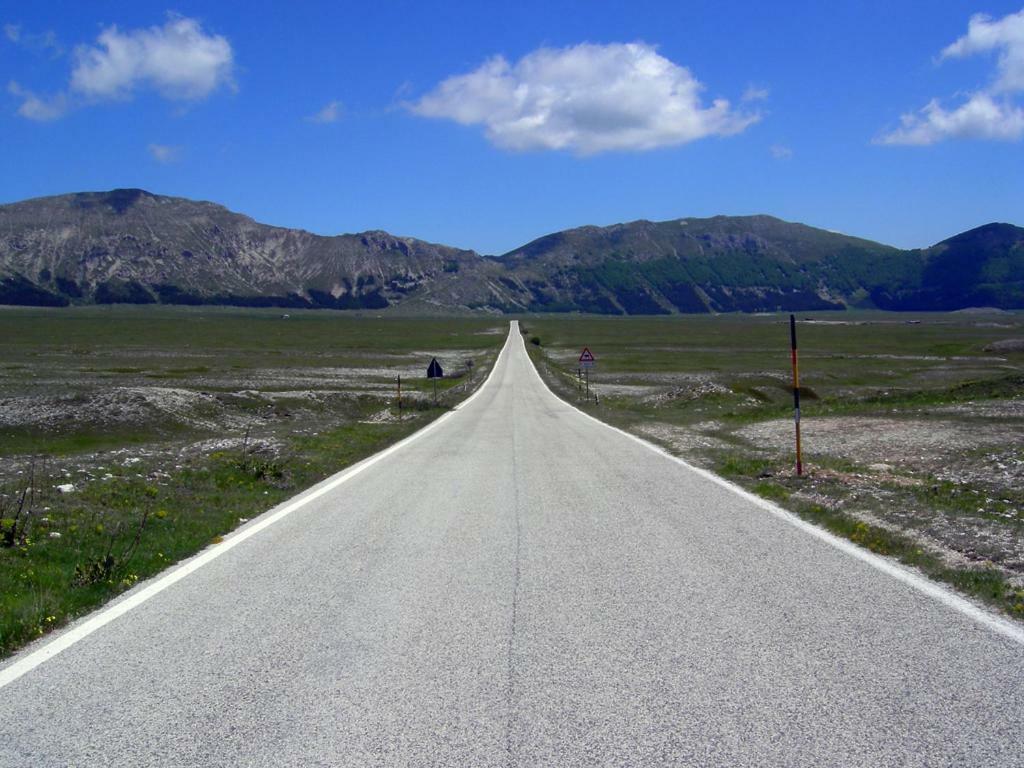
587	357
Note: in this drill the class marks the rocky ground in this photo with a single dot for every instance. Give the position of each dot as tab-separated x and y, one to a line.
164	426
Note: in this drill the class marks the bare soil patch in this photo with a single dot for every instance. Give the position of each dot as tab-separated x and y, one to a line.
930	445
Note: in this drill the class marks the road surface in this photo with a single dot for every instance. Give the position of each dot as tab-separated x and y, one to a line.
523	586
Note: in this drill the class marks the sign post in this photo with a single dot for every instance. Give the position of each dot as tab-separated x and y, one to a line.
399	397
434	372
796	392
587	361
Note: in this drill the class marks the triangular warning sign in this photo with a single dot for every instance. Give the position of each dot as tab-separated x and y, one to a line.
434	370
587	356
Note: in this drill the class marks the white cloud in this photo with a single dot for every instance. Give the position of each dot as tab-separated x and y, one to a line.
403	90
755	93
587	98
780	152
1006	36
989	114
980	117
34	107
178	60
42	42
164	153
331	113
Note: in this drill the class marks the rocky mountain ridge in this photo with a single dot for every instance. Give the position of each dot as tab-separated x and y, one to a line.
131	246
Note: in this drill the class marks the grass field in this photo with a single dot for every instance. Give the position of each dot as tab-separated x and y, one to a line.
913	424
130	437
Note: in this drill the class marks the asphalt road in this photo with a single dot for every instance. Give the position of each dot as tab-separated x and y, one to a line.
523	586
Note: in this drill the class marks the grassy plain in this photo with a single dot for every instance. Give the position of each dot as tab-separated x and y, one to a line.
131	437
172	425
913	424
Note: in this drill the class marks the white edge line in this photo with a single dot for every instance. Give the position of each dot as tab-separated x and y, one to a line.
998	624
103	616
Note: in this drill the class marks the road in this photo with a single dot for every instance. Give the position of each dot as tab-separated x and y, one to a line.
523	586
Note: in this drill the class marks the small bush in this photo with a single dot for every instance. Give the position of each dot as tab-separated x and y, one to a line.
111	562
260	468
535	341
256	466
18	505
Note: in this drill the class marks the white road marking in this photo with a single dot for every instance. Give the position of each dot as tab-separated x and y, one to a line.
932	589
66	639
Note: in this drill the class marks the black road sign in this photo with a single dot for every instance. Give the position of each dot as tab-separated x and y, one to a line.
434	370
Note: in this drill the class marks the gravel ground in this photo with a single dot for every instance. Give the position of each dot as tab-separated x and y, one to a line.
118	406
921	444
181	420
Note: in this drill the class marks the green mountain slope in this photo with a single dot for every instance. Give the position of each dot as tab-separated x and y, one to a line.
983	267
720	264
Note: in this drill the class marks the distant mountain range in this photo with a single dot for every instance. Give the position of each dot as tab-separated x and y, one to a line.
131	246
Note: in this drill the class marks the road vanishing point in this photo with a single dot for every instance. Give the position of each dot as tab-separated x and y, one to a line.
521	585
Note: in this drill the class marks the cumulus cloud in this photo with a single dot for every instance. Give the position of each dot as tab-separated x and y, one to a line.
980	117
179	60
586	98
1005	36
991	113
35	107
780	151
331	113
164	153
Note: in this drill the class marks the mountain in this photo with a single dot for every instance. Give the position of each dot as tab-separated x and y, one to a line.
720	264
983	267
760	263
129	245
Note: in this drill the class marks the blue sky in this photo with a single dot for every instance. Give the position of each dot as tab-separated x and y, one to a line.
484	126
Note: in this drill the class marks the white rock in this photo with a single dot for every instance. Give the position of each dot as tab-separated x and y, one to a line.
66	487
